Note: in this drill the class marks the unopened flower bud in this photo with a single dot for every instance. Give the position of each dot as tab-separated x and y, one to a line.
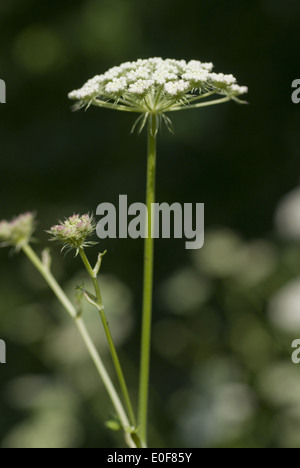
17	232
74	231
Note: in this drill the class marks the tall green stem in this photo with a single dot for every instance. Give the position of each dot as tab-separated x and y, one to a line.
148	284
99	303
47	275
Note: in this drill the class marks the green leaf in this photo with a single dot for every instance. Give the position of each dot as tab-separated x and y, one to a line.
99	262
113	425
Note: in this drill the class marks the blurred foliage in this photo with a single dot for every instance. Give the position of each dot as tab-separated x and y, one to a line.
224	317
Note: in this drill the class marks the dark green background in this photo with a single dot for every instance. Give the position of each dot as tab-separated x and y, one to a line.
238	160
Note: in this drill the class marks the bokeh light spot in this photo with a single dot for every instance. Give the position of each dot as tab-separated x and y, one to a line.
37	49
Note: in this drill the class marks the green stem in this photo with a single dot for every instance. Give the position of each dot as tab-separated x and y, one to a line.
202	96
148	284
187	105
112	106
111	345
51	281
200	104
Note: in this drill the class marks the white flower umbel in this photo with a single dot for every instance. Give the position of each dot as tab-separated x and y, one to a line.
156	86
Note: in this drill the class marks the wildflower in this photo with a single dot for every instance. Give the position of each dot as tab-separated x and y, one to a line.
156	86
153	88
17	232
74	231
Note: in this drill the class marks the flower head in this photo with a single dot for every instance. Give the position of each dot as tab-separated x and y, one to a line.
157	86
74	231
17	232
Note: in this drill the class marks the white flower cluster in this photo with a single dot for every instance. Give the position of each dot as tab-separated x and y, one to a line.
177	88
154	80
